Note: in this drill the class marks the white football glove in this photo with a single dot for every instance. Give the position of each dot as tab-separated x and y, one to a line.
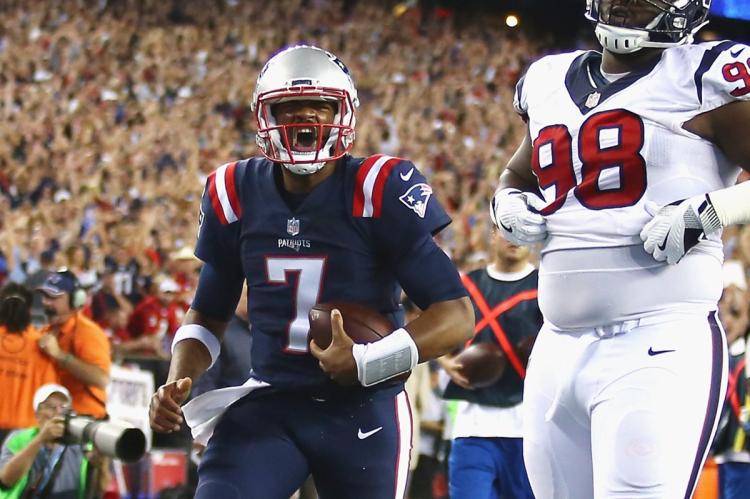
516	215
677	227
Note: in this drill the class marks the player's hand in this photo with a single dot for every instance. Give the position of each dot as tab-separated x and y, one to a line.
454	369
165	414
516	215
52	430
337	360
677	227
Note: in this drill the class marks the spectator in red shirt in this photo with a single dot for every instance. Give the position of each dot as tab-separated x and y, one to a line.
152	318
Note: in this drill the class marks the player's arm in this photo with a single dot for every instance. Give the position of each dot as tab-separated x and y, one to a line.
676	228
516	205
196	344
518	173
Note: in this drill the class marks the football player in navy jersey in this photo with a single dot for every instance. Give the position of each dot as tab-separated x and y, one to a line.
627	176
305	224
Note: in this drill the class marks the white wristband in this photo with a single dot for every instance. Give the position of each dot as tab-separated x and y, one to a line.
732	204
386	358
200	333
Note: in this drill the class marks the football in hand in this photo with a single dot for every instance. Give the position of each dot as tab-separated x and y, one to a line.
361	323
483	364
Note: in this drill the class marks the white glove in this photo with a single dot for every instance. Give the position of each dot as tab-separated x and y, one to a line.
516	215
677	227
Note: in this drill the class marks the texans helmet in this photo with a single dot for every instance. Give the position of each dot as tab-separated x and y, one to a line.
674	22
305	72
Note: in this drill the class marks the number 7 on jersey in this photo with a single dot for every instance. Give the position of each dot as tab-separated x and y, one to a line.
305	294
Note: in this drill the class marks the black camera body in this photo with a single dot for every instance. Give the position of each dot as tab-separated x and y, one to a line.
115	439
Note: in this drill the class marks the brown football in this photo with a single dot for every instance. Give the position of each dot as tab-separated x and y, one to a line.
483	364
361	323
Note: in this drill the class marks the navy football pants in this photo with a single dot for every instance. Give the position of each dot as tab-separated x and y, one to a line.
356	446
488	468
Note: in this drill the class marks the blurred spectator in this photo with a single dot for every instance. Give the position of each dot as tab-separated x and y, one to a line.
152	319
78	345
732	442
36	279
78	261
36	463
23	367
106	299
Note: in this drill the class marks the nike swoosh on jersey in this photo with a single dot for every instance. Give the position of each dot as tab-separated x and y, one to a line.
363	435
509	229
736	53
652	352
406	176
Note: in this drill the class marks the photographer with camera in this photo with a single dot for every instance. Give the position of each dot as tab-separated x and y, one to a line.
36	462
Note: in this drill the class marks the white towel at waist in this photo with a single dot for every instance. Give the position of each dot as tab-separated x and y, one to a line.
202	414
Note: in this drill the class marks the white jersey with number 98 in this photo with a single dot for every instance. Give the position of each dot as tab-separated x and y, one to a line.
605	153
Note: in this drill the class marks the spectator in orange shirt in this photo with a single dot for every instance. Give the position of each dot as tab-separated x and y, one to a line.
23	367
78	345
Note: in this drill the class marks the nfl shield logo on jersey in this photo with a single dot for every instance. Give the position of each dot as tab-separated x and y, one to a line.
593	100
416	198
292	226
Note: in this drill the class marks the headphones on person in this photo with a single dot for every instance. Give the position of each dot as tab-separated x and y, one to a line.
77	298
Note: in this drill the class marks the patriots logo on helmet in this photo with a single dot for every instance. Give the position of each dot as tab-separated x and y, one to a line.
416	198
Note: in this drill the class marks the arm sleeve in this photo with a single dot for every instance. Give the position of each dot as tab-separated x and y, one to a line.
427	275
218	292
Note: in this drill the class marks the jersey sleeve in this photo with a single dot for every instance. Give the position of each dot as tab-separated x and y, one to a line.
427	275
723	75
401	203
219	220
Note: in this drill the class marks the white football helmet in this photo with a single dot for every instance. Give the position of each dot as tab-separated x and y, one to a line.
675	24
304	72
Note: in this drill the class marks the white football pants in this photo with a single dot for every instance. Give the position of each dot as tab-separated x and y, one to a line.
626	411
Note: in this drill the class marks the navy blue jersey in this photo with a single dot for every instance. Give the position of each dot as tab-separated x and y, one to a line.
359	234
519	318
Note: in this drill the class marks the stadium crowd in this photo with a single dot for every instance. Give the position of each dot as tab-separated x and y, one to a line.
115	112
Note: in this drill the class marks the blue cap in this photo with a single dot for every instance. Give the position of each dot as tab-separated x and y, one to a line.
58	284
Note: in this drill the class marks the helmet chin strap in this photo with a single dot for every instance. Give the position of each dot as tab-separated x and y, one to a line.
303	168
620	40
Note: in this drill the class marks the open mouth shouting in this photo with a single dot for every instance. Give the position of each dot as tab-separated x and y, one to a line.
304	138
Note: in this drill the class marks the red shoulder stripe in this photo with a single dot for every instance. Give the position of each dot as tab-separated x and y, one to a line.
370	184
223	194
358	205
377	194
214	198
